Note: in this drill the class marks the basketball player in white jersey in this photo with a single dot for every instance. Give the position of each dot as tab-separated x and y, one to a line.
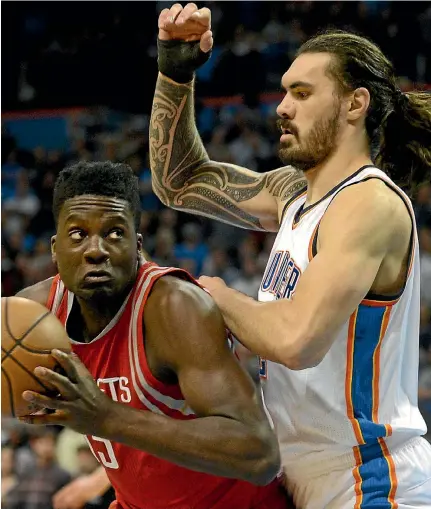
337	320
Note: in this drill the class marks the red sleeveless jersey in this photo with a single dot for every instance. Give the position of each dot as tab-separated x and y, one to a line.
116	359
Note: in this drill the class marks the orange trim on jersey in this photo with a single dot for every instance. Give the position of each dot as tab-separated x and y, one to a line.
349	378
295	225
392	473
380	303
356	471
357	477
310	244
376	366
52	292
290	204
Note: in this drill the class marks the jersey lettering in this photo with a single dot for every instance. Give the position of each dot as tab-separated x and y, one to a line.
107	457
116	387
281	276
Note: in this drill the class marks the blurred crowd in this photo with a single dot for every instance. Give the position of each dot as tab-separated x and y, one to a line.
87	61
65	54
38	462
170	238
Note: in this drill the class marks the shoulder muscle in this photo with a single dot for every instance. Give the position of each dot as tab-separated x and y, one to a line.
38	292
368	212
187	329
180	308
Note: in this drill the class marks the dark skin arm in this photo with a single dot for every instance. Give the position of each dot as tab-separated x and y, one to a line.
231	435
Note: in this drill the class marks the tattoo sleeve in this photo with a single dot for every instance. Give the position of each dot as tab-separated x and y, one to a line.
185	178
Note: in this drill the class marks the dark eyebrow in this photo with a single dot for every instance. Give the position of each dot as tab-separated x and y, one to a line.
298	84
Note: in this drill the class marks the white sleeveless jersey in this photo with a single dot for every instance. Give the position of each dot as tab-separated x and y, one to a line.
361	400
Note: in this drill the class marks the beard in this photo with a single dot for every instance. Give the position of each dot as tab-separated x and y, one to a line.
317	146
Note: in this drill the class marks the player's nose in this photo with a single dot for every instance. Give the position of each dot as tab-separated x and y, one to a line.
286	109
95	250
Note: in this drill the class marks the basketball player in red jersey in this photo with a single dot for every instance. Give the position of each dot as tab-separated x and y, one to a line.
153	382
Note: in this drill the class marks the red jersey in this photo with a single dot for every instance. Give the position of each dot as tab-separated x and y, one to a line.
117	361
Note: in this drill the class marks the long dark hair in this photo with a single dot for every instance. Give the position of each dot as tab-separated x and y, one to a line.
398	124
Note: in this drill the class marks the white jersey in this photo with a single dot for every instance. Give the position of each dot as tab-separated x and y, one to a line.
361	400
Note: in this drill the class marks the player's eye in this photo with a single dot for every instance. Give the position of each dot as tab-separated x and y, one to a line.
76	234
301	94
116	233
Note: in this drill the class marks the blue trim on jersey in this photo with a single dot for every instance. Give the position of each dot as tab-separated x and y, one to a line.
374	472
367	334
374	468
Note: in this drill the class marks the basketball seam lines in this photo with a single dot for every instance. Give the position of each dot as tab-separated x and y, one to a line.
26	370
18	342
29	330
11	398
28	349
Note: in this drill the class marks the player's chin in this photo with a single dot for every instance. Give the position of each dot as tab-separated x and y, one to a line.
286	153
91	291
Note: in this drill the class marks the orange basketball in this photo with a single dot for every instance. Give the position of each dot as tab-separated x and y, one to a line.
28	334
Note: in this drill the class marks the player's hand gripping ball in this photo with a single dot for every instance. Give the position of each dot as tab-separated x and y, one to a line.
28	334
80	404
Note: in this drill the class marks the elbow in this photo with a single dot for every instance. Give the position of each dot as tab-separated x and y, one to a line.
267	465
302	352
158	192
266	473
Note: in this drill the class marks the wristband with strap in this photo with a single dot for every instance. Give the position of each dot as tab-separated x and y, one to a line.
178	60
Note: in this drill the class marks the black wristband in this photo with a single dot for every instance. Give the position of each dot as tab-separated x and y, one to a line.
179	60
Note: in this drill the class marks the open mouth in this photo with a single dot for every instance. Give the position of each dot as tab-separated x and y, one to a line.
284	129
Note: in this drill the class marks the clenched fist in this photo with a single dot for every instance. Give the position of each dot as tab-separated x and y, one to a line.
188	24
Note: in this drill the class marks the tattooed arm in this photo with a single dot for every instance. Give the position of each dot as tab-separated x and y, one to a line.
186	179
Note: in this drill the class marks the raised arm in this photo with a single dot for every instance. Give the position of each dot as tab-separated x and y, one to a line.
184	177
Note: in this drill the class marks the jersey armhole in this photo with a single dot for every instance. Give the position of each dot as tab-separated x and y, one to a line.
373	298
173	390
52	292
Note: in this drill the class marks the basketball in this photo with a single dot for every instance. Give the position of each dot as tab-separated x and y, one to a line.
28	334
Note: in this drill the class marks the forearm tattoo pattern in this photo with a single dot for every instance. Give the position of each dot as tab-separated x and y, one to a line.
185	178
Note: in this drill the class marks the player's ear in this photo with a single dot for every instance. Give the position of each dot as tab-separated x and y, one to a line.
359	103
139	242
53	253
142	258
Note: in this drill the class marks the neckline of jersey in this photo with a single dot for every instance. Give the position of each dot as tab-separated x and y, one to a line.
301	211
107	328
